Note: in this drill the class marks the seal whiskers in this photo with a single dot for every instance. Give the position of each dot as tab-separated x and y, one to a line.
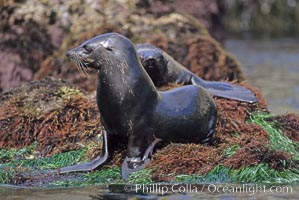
81	65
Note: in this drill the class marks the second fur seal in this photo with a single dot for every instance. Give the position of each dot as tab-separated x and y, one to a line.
163	69
130	106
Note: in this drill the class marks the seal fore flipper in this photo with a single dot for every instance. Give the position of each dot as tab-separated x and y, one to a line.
225	90
131	165
89	166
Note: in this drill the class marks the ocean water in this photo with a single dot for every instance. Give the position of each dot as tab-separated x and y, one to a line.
273	67
157	192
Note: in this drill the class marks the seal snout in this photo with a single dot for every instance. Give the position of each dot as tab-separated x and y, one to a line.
68	53
151	62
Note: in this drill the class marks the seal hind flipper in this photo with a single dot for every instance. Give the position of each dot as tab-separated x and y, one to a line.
226	90
95	163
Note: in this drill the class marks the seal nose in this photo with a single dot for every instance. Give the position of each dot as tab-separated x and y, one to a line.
68	53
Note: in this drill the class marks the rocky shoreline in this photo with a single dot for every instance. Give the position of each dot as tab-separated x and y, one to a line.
46	123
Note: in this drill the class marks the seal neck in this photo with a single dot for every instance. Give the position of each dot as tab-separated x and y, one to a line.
124	84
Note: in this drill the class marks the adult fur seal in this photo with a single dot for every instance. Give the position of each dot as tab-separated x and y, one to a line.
163	69
130	105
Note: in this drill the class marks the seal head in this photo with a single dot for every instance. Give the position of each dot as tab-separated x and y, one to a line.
153	61
92	53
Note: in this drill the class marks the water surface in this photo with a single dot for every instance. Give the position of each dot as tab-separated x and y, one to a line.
273	67
110	192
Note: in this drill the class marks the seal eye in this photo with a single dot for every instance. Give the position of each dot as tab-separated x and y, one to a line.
87	49
109	48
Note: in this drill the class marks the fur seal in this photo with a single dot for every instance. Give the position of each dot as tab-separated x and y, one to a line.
163	69
130	106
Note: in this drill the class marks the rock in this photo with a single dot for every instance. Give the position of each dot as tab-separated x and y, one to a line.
192	41
52	113
36	34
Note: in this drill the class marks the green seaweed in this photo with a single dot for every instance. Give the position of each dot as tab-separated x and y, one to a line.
218	174
53	162
66	92
143	176
235	134
8	155
99	177
261	173
278	141
104	176
6	174
20	160
228	152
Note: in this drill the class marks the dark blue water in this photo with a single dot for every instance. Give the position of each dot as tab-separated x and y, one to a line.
273	67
